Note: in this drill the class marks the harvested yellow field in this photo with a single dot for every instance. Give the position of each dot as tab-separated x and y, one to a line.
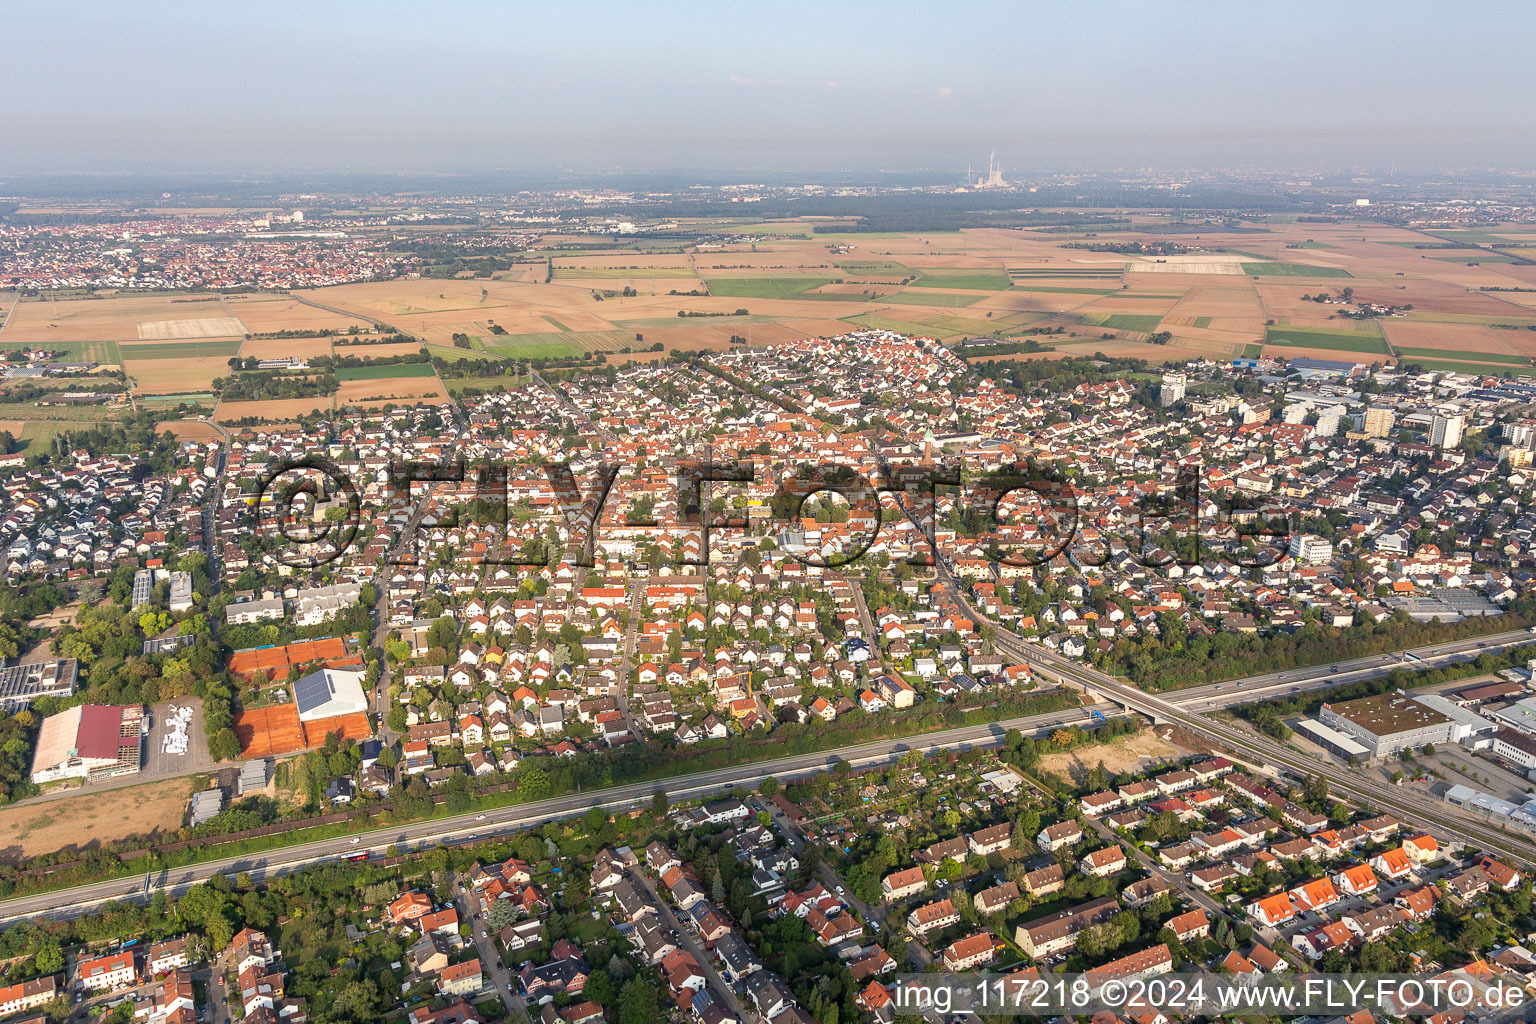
272	410
175	376
390	389
189	430
263	314
107	318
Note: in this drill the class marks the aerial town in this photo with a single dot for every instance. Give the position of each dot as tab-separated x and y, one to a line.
729	685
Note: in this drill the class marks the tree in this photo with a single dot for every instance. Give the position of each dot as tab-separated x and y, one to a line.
500	914
357	1001
659	804
1316	790
637	1003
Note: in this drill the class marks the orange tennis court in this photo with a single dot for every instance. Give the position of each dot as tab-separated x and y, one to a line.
268	731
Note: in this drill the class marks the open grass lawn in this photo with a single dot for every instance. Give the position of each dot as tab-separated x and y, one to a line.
1485	369
1292	270
376	371
1341	341
1253	351
545	346
768	287
979	280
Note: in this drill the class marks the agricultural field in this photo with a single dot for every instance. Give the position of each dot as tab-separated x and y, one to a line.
1321	338
1229	293
1292	270
380	371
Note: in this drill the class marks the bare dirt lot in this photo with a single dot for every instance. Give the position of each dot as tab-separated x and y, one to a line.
1126	754
78	821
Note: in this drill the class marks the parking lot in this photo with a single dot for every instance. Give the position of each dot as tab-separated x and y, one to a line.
160	765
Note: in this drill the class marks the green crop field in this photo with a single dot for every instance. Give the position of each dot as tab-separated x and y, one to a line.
882	268
376	371
915	298
179	349
1457	356
1476	256
1252	351
1202	321
1145	322
1065	290
768	287
1339	341
1292	270
83	351
979	280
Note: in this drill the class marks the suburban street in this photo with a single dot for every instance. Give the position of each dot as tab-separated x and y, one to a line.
690	941
469	905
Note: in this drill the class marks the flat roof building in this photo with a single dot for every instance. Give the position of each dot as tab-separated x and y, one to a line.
1387	723
1332	740
20	685
329	693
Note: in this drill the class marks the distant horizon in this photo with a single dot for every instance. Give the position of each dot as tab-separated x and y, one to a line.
479	88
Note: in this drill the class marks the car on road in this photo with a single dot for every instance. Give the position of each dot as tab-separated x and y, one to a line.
479	817
356	840
1333	668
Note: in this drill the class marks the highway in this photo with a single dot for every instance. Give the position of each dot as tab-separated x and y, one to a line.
1187	708
1346	783
1190	710
66	903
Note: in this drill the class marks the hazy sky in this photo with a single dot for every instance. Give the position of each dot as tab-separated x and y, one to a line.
443	86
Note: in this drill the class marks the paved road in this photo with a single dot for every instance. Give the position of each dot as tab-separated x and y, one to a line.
636	596
469	904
